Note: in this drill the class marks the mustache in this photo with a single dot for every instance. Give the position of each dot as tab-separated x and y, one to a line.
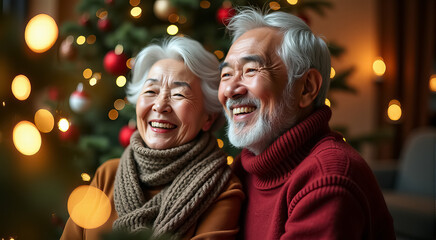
243	101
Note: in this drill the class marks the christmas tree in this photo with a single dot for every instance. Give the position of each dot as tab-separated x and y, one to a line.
80	83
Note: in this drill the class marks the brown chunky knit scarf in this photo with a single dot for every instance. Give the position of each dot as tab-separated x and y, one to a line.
194	174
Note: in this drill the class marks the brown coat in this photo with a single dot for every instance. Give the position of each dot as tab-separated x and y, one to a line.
220	221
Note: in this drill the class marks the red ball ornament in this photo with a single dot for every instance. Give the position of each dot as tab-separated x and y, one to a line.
115	63
125	134
54	94
79	100
224	14
72	134
104	25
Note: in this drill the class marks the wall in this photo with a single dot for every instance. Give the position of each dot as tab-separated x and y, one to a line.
352	25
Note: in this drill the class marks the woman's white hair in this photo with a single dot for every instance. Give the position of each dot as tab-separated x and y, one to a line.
300	49
201	62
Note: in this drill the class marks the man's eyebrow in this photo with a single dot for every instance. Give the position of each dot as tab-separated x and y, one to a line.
245	59
182	84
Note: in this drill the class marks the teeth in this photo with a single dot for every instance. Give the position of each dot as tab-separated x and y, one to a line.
241	110
162	125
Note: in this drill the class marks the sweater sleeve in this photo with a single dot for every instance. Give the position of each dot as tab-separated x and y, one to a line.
329	212
220	221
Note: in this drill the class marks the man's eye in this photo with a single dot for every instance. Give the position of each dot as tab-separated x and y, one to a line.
251	70
178	95
150	92
225	75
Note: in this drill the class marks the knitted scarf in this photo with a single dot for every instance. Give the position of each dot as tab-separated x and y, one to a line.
194	174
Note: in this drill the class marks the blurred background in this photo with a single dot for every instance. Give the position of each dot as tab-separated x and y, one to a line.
63	112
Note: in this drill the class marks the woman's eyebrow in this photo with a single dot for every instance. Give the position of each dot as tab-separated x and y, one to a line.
181	84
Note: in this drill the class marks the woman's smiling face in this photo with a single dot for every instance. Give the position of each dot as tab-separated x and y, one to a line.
170	109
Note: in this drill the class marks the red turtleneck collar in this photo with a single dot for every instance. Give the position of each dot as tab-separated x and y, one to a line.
272	167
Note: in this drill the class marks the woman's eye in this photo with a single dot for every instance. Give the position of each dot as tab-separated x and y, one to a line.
225	75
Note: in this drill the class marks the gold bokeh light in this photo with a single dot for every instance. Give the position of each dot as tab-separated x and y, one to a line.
63	124
379	67
41	33
394	110
26	138
172	29
89	207
44	120
21	87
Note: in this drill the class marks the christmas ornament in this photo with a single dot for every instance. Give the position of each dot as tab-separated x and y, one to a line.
104	24
126	132
72	134
67	49
109	2
79	100
115	63
224	14
84	20
54	94
162	9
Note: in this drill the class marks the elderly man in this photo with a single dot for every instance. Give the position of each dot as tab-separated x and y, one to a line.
301	179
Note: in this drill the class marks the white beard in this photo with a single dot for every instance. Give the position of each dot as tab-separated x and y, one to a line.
265	130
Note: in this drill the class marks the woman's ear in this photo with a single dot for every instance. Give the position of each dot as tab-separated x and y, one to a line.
209	121
312	85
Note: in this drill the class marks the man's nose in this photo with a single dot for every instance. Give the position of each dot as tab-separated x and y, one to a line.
235	88
161	104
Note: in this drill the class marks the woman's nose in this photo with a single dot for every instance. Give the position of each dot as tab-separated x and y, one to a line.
161	104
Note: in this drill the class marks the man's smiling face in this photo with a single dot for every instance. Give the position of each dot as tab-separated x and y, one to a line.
253	80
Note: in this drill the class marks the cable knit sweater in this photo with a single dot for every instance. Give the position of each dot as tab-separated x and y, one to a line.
310	184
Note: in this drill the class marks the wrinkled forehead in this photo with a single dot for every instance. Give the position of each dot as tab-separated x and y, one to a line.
262	41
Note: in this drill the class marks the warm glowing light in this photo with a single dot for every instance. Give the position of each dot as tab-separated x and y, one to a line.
173	18
81	40
119	104
229	160
92	81
44	120
63	124
41	33
344	139
220	143
219	54
87	73
327	102
26	138
432	83
227	4
274	5
172	29
21	87
134	3
119	49
101	13
89	207
129	62
293	2
4	103
136	12
332	72
121	81
85	177
91	39
394	110
379	67
113	114
205	4
97	76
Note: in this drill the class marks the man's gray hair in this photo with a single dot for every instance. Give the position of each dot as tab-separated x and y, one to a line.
300	49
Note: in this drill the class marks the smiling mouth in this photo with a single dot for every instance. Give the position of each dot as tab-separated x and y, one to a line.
243	110
162	125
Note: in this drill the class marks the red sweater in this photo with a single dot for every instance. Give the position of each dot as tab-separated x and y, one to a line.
310	184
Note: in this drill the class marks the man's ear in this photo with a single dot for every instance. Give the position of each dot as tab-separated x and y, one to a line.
209	121
312	85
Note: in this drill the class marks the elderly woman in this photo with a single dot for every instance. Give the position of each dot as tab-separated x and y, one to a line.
172	178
